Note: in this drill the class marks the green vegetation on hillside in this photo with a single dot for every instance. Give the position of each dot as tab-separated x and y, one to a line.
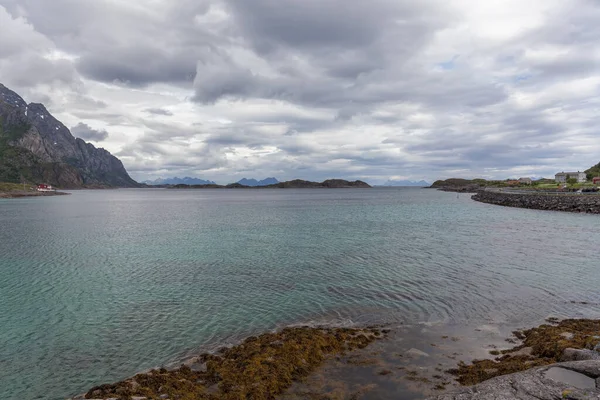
12	187
13	132
593	172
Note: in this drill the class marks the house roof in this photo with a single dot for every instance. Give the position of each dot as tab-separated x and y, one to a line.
570	173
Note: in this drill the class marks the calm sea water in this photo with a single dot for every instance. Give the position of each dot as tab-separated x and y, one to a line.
99	285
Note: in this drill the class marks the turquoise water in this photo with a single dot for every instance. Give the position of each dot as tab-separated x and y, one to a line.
99	285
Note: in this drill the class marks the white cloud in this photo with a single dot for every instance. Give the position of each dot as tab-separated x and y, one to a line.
315	89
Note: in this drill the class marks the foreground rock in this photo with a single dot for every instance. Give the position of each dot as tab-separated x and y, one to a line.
571	380
558	360
563	202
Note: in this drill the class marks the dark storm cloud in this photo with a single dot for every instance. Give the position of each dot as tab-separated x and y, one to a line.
133	68
86	132
159	111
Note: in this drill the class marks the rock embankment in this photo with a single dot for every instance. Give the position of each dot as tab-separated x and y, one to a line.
559	202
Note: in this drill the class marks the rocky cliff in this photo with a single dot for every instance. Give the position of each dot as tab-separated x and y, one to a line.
35	147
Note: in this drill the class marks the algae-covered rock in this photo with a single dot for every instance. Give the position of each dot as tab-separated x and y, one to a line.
261	367
547	345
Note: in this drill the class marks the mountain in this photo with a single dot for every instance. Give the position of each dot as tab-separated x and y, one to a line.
295	184
330	184
37	148
254	182
406	183
179	181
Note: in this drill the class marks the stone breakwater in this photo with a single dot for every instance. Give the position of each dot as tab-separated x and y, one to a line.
559	202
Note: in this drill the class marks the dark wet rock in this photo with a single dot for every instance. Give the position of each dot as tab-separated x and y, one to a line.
536	384
579	355
559	202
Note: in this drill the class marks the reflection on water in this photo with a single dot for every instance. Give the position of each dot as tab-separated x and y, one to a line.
102	284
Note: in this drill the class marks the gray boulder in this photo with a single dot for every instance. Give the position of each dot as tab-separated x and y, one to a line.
579	355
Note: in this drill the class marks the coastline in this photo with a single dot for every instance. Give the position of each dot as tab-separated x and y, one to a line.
22	194
381	363
260	367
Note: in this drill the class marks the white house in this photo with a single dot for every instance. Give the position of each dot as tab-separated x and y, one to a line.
526	181
562	177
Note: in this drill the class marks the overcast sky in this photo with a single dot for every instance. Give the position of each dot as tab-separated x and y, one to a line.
314	89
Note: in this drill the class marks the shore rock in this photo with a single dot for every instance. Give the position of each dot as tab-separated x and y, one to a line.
562	202
580	355
537	384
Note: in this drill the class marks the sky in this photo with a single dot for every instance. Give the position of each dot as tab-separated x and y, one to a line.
316	89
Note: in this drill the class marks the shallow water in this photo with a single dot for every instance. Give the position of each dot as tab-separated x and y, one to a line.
102	284
571	378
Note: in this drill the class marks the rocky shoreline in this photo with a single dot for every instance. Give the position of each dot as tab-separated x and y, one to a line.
556	360
579	380
21	194
560	202
261	367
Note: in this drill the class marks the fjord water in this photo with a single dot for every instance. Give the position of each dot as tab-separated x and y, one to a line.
99	285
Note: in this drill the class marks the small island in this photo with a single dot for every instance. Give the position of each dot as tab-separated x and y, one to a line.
293	184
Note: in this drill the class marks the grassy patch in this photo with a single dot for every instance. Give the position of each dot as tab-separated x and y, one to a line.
12	187
259	368
547	343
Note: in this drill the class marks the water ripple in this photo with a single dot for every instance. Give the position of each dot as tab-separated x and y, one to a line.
99	285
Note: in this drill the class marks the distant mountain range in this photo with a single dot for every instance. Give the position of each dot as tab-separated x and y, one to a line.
254	182
295	184
197	181
406	183
179	181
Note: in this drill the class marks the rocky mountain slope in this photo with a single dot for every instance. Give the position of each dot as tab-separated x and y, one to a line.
35	147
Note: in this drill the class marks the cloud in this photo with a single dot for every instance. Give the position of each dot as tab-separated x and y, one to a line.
159	111
86	132
315	89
